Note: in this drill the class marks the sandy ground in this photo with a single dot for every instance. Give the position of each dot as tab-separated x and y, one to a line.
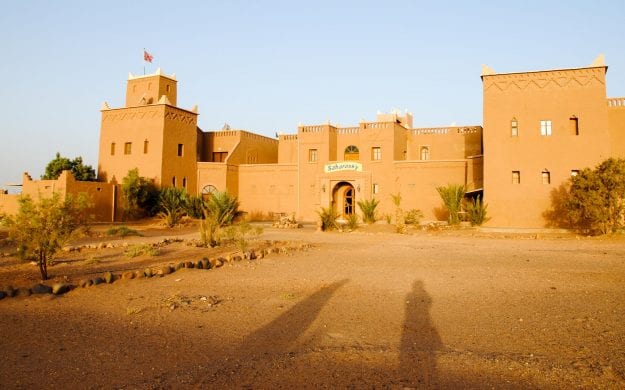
357	310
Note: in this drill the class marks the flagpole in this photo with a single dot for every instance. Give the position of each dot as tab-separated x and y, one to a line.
144	61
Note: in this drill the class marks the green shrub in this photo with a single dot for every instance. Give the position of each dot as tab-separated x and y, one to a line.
368	207
400	220
352	221
194	207
328	216
140	196
141	249
452	196
219	211
476	211
596	202
413	217
172	203
241	233
122	231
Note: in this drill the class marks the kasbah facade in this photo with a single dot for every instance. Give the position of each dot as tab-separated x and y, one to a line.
539	128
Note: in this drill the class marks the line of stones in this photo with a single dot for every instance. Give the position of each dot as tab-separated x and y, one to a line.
109	277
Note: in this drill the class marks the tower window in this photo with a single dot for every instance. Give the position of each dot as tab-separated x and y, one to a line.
546	177
516	177
145	146
376	153
168	88
574	125
128	148
184	182
312	155
376	188
173	181
545	127
425	153
180	150
514	127
112	148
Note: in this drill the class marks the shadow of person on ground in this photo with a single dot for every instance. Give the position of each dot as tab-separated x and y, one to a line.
419	341
269	345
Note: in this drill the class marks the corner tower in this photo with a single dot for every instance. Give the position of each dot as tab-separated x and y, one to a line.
149	133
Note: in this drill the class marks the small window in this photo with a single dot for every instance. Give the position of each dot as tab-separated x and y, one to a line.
312	155
351	153
546	177
168	88
376	153
514	127
376	188
128	148
545	128
184	182
574	125
112	148
425	153
173	181
180	150
516	177
574	172
145	146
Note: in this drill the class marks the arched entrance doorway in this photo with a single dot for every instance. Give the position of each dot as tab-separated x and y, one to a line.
344	199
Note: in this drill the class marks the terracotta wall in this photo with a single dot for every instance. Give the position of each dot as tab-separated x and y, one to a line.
254	149
268	188
445	143
141	90
529	98
179	129
616	118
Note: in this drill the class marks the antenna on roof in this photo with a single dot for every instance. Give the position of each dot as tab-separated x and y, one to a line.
225	127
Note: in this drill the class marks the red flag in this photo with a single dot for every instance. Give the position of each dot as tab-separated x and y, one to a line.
147	56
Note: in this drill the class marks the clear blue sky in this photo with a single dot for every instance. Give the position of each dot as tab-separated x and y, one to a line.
266	66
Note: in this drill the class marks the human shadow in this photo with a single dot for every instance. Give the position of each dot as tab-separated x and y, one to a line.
280	334
419	341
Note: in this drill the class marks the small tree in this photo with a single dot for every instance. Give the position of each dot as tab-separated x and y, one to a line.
241	233
79	170
597	198
140	195
368	207
172	203
41	228
452	199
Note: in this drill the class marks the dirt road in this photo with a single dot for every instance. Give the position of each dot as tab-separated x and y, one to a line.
356	310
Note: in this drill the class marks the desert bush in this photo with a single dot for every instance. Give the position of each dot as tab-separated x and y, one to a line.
194	207
476	211
172	203
141	249
452	196
41	229
352	221
400	220
596	202
241	233
328	216
140	196
413	217
122	231
219	210
368	207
